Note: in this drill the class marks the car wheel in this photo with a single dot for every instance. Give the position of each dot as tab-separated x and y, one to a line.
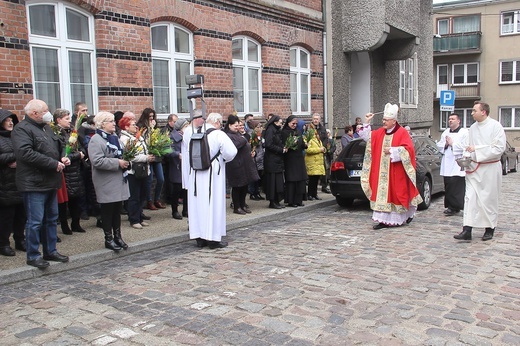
515	167
426	194
344	202
505	167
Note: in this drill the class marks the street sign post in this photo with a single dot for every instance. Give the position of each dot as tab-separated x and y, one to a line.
447	100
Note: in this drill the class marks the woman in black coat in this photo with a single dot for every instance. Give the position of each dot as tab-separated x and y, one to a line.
12	211
274	162
72	150
295	170
242	169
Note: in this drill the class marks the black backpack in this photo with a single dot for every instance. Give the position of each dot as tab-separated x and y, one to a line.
200	159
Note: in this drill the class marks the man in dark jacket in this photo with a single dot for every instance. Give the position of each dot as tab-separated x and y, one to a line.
38	176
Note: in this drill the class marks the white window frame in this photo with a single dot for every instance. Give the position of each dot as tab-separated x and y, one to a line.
510	22
408	82
465	73
514	125
62	45
298	72
247	65
447	26
464	115
172	58
516	65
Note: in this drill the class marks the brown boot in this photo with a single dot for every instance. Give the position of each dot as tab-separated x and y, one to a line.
150	206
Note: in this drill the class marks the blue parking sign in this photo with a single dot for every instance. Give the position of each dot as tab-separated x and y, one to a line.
447	98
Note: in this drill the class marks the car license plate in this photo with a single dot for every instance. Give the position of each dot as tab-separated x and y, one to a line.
355	173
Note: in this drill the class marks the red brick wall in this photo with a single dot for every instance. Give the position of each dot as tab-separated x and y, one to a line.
124	72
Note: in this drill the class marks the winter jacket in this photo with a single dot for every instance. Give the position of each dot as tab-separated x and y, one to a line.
294	160
242	169
273	157
73	177
173	159
9	194
37	149
314	157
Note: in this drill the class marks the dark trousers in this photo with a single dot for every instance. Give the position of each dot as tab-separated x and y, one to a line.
12	222
135	202
455	189
75	211
312	189
177	193
111	217
294	191
238	196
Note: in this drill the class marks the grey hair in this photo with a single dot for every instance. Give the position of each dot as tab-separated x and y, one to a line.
60	113
34	105
213	118
102	117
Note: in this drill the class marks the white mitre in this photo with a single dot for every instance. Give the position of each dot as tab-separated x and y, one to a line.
390	111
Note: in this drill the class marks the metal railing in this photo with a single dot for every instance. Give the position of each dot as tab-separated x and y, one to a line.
457	42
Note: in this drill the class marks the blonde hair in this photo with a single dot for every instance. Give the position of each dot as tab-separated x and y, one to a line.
101	117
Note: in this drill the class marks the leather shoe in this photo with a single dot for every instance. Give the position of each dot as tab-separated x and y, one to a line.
176	215
317	198
56	257
112	245
20	246
488	234
260	197
380	226
78	230
325	190
254	197
201	242
159	205
464	235
150	206
273	205
38	263
293	205
247	210
310	198
409	220
217	244
66	230
184	213
239	211
145	217
7	251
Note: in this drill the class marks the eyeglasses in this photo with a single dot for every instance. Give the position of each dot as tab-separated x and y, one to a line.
109	121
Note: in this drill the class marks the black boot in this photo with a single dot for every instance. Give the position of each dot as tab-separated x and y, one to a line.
465	234
274	205
62	213
488	234
75	226
109	241
175	213
119	240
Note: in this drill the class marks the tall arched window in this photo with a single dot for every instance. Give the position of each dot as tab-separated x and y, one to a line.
247	75
300	81
172	61
61	40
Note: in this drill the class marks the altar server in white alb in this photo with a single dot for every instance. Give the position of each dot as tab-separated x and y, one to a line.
487	142
207	207
453	142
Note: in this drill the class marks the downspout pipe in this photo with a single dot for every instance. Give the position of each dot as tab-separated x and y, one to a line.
325	75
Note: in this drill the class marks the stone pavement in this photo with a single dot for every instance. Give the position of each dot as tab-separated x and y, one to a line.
322	277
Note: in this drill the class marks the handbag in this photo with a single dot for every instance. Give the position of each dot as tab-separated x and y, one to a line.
140	170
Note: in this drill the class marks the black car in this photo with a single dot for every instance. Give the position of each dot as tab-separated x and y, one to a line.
345	173
509	159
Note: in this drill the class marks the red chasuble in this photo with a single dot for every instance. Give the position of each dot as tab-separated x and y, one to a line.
390	186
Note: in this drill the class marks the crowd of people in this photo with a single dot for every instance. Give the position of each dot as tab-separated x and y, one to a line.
56	165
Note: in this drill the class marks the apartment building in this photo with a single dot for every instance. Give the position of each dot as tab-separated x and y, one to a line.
257	56
477	55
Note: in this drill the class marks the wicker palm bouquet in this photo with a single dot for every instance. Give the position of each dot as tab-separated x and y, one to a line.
309	134
72	144
291	142
132	148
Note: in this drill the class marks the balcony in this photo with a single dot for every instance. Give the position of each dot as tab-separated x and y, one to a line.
462	91
463	43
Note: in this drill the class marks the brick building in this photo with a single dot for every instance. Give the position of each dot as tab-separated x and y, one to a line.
256	56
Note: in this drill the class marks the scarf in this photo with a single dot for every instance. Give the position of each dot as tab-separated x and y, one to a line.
112	143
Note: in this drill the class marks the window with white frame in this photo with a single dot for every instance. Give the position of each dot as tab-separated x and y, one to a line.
465	73
300	81
510	22
510	72
172	61
442	74
408	82
509	117
458	25
61	41
443	26
247	75
466	119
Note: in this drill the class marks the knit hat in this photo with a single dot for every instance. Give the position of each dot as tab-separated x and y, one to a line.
390	111
179	124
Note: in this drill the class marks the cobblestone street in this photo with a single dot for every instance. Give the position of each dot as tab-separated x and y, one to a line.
323	277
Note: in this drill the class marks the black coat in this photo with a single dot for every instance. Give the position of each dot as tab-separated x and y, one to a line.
9	194
37	150
273	156
73	176
294	160
173	159
242	169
